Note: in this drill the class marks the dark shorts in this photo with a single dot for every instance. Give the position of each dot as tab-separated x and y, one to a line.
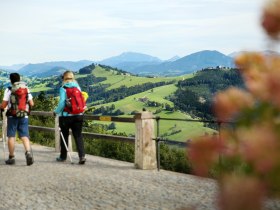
17	124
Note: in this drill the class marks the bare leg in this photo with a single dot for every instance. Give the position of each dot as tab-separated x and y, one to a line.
11	146
28	155
26	143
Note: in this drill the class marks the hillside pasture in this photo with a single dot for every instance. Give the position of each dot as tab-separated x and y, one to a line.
168	129
172	130
136	102
115	80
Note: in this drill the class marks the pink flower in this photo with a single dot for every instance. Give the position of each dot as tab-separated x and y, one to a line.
230	144
273	80
240	193
271	18
261	75
259	146
203	153
230	102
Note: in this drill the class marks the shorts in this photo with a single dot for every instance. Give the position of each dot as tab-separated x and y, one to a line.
16	124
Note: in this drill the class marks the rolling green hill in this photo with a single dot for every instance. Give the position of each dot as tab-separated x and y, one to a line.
135	102
116	80
126	94
113	79
172	130
118	93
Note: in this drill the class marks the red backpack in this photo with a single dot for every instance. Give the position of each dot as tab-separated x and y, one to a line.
19	100
75	102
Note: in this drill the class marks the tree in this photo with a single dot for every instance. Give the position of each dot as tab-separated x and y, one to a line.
112	126
42	102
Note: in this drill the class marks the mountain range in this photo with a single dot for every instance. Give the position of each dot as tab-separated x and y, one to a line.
136	63
148	65
52	68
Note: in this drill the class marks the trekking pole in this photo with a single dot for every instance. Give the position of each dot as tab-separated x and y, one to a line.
3	135
4	143
66	146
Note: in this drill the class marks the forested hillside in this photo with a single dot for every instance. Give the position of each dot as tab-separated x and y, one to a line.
4	77
195	95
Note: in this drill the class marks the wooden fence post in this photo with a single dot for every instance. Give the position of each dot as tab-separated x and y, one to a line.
145	148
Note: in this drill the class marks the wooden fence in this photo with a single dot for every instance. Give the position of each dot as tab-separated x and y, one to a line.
145	147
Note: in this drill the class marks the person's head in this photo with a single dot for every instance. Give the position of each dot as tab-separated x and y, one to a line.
14	77
68	76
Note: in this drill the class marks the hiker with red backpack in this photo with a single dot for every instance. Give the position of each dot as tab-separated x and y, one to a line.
18	100
70	109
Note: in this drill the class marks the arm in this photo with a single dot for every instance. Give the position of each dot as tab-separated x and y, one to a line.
4	104
30	99
6	99
31	103
61	103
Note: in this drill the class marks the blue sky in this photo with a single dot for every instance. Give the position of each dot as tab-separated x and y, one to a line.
33	31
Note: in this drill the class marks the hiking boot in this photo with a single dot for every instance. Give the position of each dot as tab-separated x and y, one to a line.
59	159
11	160
82	160
29	158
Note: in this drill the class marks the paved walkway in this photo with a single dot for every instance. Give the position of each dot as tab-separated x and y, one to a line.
99	184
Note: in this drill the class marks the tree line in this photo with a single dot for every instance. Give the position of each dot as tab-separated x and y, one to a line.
195	95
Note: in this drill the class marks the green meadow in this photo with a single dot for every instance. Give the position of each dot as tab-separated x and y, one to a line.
116	80
169	129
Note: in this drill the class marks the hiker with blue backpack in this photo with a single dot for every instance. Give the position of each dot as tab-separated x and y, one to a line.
70	109
18	100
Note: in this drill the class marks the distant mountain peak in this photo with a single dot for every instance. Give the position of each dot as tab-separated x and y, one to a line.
130	57
207	52
130	60
53	67
14	67
187	64
174	58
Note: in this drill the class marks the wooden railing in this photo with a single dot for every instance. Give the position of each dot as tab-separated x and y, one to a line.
86	134
146	140
145	148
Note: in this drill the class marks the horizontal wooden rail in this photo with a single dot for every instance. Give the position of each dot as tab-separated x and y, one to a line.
40	113
110	137
192	120
171	142
87	134
109	118
89	117
39	128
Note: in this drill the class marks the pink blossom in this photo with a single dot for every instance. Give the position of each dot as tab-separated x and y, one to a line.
271	18
203	153
259	145
230	102
240	193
